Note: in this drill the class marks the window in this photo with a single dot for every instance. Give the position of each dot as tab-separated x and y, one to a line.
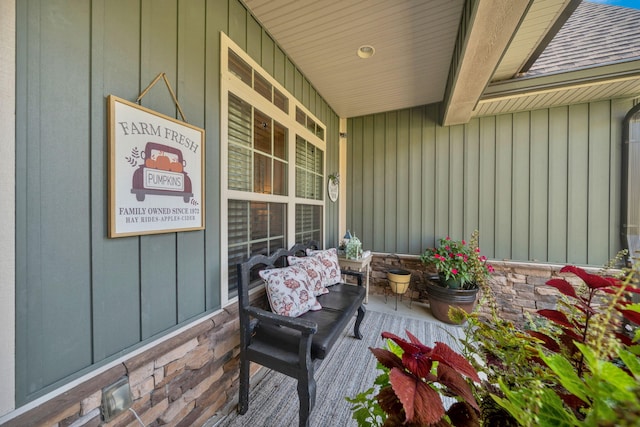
309	170
272	195
308	223
308	122
254	228
264	147
239	68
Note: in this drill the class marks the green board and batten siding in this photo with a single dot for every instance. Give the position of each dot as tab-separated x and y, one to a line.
83	299
540	185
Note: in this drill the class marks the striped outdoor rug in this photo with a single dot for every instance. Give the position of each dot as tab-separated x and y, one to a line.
349	369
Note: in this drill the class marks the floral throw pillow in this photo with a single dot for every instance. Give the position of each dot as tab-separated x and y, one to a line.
315	270
289	291
329	259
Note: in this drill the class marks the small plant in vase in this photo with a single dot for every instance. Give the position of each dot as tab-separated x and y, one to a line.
458	263
460	267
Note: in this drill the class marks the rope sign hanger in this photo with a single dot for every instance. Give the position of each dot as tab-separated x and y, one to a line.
173	95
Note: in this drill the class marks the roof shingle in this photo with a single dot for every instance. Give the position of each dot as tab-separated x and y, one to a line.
595	34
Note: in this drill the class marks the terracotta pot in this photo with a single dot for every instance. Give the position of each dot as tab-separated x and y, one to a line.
399	280
441	298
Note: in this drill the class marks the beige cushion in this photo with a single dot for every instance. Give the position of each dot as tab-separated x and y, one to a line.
289	291
329	259
315	270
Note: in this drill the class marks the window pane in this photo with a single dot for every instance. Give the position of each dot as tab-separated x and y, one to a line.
320	132
317	222
277	220
311	125
262	86
240	68
237	239
318	162
300	183
239	137
279	178
301	154
261	174
239	174
238	222
275	244
262	132
259	220
318	188
280	100
308	223
311	158
239	121
261	248
279	141
300	116
309	170
237	254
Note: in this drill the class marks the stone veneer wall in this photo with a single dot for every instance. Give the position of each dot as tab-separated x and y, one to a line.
183	381
519	287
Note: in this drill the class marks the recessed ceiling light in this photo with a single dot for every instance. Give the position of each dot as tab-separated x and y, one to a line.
366	51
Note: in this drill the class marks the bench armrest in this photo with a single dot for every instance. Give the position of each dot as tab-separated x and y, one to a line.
307	327
357	274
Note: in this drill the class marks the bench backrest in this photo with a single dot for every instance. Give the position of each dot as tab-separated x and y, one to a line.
261	262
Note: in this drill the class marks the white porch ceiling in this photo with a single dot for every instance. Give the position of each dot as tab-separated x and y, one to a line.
414	42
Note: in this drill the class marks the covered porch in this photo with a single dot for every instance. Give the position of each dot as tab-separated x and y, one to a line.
439	117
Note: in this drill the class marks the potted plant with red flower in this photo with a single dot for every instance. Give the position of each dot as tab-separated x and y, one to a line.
459	266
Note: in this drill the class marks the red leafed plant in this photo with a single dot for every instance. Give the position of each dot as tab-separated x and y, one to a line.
417	378
589	368
576	323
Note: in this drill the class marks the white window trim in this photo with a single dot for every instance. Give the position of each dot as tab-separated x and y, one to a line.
7	194
231	83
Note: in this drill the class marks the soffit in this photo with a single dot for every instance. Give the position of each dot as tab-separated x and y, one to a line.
414	42
586	85
556	97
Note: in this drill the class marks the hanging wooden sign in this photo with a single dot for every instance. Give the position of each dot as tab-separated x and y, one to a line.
156	172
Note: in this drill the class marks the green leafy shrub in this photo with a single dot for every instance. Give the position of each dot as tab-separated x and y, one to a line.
574	366
591	370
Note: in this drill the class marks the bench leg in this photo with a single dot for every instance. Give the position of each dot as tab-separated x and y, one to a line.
307	397
356	328
243	398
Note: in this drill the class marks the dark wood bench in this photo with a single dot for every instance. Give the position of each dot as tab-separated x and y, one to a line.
293	345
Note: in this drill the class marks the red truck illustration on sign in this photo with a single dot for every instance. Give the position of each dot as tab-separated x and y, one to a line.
162	173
